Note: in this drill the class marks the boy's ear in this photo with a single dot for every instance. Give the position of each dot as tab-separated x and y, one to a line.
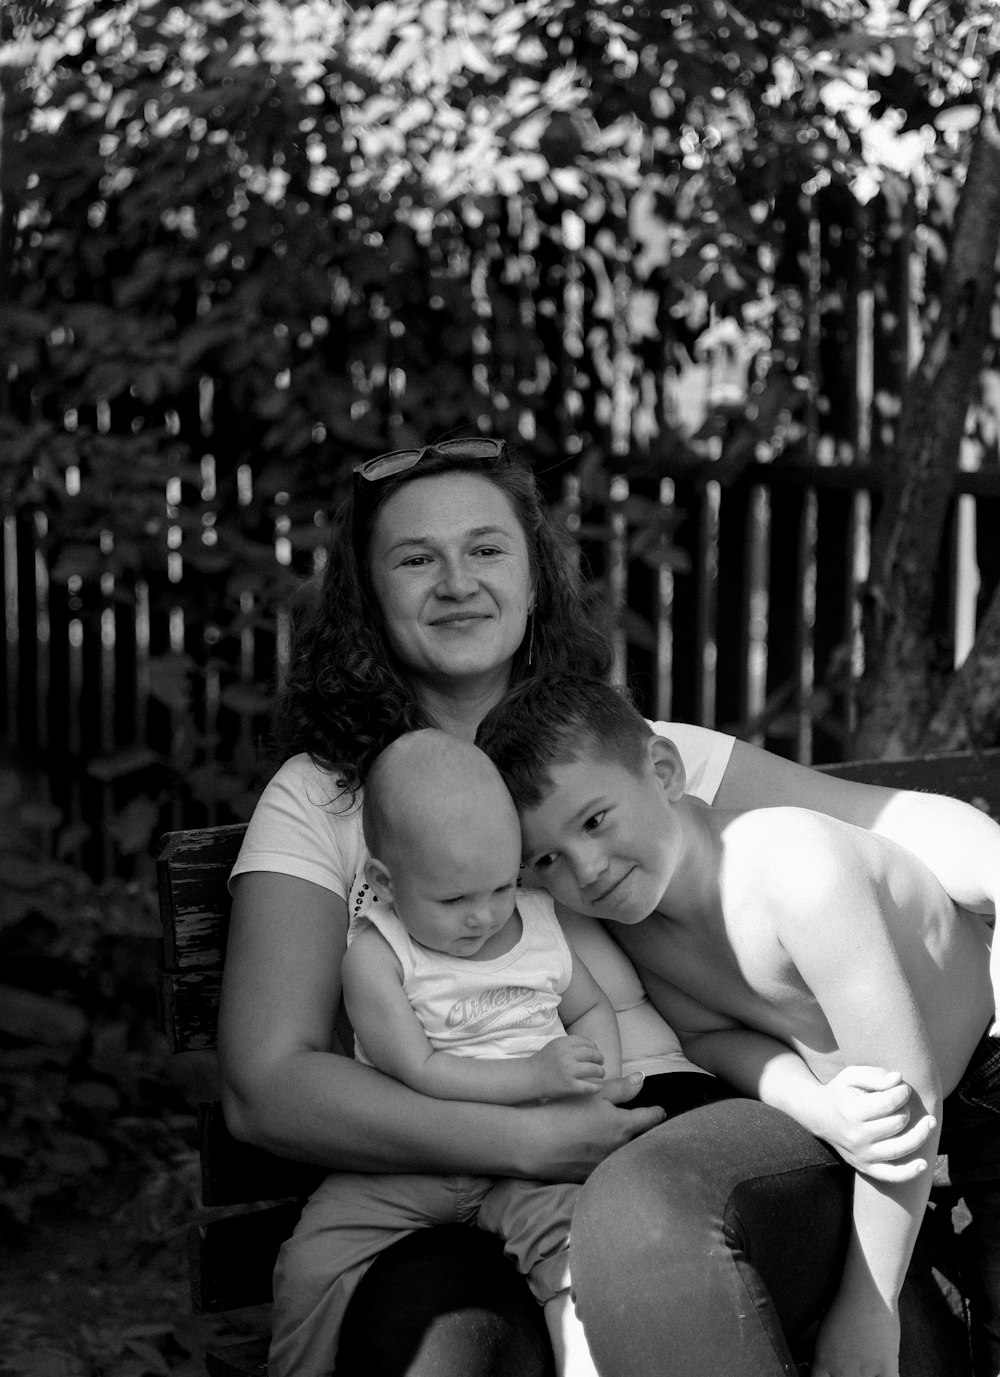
379	878
668	766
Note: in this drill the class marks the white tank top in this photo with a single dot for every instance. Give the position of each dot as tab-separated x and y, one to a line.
506	1007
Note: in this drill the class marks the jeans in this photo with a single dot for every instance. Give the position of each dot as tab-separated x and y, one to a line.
971	1137
708	1247
713	1245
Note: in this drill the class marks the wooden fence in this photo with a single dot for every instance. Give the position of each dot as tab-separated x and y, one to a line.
134	702
133	720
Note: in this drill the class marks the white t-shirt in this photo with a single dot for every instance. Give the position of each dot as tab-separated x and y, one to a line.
301	828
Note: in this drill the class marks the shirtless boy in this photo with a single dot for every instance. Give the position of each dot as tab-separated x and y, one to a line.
760	934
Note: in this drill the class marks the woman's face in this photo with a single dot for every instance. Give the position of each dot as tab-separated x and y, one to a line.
450	569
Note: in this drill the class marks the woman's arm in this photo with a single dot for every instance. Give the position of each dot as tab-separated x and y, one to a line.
284	1090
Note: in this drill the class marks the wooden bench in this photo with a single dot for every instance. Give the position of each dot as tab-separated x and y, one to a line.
251	1199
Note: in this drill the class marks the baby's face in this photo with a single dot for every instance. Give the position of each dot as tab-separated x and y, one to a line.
603	841
454	896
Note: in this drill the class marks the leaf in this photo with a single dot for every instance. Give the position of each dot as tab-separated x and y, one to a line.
957	119
246	700
121	763
152	1357
168	681
71	838
32	1017
43	1362
19	872
135	825
45	816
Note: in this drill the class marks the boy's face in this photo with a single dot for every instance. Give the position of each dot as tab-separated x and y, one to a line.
605	840
454	894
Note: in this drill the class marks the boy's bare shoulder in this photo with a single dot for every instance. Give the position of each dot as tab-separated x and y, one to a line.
772	854
778	827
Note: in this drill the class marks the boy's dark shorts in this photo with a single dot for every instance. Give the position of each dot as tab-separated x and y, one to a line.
971	1121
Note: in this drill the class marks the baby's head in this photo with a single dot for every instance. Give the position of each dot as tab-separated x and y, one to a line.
444	842
594	788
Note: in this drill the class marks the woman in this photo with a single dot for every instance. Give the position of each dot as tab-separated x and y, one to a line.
446	584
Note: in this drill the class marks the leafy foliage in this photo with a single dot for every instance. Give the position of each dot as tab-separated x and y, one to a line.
244	247
83	1067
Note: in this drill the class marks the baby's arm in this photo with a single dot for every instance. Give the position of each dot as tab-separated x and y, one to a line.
394	1039
586	1012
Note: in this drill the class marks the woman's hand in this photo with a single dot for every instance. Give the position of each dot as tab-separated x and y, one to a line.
866	1119
566	1140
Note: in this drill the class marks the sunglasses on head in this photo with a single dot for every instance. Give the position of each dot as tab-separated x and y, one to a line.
399	460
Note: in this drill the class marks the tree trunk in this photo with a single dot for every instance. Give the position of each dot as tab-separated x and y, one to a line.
968	713
904	667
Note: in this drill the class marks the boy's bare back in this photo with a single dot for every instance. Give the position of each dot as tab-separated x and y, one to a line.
817	933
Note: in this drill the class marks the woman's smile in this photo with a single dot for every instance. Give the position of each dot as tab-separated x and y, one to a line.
460	620
450	569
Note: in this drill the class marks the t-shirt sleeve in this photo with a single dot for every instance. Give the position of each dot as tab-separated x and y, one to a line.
301	827
705	754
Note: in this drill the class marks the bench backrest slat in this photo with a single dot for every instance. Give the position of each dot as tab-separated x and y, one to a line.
973	776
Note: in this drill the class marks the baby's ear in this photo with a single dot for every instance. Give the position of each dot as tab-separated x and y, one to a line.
379	878
668	766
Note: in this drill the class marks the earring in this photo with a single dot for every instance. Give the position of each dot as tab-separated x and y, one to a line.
531	636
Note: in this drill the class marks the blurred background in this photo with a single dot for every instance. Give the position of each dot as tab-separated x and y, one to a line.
724	273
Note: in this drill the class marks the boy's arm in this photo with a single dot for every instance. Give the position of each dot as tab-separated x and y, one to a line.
959	843
828	918
394	1039
861	1112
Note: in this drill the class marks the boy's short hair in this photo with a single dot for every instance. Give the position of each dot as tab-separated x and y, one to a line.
555	719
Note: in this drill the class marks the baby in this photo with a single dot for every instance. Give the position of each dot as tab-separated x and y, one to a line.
463	988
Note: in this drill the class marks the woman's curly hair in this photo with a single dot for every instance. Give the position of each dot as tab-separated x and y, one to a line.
347	695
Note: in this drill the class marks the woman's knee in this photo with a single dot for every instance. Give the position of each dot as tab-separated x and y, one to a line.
444	1301
727	1179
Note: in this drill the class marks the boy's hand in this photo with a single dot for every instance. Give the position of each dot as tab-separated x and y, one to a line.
569	1065
857	1340
866	1120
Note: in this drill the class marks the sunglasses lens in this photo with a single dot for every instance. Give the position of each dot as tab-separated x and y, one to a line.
472	449
386	465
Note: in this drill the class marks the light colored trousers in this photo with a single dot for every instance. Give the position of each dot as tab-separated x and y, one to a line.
352	1217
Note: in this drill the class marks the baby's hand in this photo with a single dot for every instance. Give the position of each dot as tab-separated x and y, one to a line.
857	1341
866	1120
569	1065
